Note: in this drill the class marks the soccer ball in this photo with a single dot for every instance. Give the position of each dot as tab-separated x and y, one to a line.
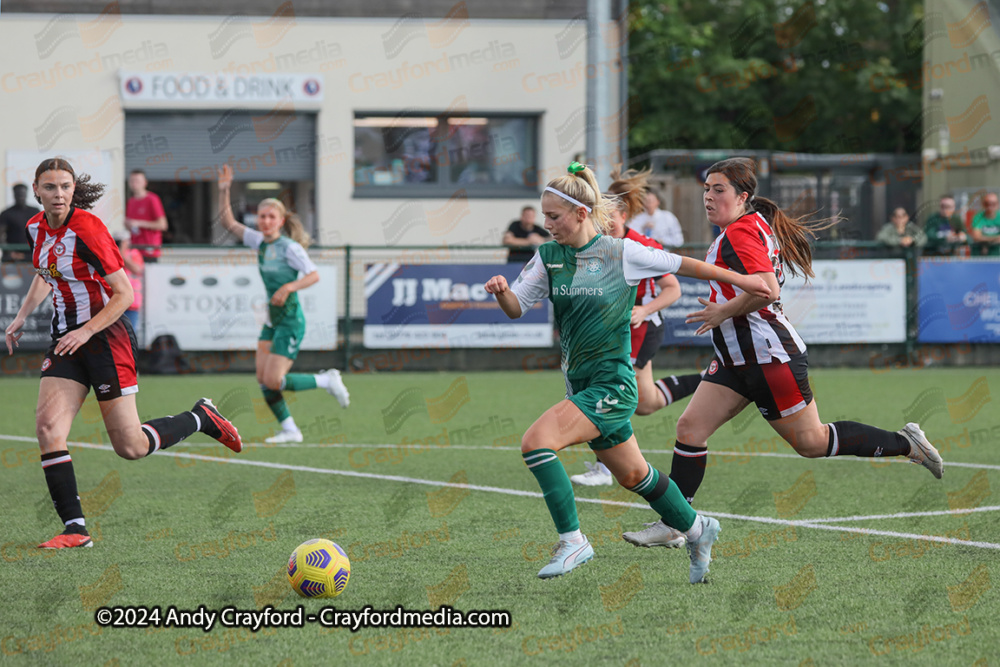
318	569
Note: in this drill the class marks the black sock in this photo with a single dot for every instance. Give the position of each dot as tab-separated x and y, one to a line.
688	468
675	388
166	431
61	480
854	439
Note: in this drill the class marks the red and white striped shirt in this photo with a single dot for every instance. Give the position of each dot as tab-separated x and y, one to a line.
73	260
749	246
646	290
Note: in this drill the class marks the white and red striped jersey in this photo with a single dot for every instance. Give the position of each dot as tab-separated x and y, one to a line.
647	290
73	260
749	246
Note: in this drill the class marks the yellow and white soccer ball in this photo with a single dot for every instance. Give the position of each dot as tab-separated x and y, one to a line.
319	569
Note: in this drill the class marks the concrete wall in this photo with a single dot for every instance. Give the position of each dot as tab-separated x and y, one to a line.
65	74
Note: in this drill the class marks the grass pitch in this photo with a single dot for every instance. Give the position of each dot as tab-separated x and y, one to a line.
842	561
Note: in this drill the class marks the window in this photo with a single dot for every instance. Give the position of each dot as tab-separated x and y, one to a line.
407	155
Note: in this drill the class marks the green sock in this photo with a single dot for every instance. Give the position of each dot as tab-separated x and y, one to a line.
276	402
299	382
556	487
666	498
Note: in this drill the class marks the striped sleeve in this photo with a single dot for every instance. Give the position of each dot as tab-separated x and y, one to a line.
746	250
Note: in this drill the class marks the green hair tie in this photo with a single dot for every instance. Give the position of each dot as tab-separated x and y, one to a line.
575	167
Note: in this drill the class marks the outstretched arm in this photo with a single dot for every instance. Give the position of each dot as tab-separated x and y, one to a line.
715	314
225	206
753	283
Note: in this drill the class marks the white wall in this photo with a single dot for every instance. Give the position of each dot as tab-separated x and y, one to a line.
59	86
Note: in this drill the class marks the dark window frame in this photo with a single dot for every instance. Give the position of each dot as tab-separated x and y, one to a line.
447	188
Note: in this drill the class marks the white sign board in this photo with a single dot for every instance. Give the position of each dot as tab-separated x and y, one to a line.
194	89
222	306
849	301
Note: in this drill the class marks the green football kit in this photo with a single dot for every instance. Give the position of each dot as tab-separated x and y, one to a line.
592	290
280	262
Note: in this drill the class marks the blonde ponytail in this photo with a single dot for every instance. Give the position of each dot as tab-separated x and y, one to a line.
581	184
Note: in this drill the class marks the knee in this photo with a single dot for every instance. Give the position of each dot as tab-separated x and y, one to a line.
812	444
632	478
272	382
129	446
686	429
645	408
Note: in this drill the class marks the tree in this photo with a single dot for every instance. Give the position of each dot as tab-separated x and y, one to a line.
817	76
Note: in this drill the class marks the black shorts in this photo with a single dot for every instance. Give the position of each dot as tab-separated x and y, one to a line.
646	340
106	362
778	389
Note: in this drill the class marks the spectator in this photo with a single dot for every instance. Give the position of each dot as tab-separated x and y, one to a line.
986	225
135	266
523	236
900	232
944	228
657	223
144	217
13	220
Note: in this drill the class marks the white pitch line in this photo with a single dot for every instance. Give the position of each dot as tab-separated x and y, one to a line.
533	494
423	448
904	515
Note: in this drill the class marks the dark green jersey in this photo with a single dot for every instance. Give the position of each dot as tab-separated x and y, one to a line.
280	262
592	290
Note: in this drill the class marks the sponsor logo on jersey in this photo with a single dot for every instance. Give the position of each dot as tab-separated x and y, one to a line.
53	271
553	266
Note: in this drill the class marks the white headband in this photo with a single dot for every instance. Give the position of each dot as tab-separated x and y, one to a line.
568	198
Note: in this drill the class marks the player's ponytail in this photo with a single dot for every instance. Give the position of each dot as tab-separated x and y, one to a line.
629	187
794	234
293	226
580	184
85	193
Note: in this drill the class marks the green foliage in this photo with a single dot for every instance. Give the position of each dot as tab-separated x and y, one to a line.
818	76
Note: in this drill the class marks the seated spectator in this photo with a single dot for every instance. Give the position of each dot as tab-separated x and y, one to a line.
986	226
523	236
657	223
899	232
135	266
944	228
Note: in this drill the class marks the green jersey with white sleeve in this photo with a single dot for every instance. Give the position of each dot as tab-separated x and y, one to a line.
280	262
592	290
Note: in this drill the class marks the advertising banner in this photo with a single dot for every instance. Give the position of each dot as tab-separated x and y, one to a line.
959	301
222	306
15	279
441	305
849	301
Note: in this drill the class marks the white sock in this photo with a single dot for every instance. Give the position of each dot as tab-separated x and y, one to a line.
289	425
603	468
197	421
573	537
322	380
79	522
694	532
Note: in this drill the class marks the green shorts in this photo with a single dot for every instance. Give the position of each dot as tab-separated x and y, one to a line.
608	401
286	337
